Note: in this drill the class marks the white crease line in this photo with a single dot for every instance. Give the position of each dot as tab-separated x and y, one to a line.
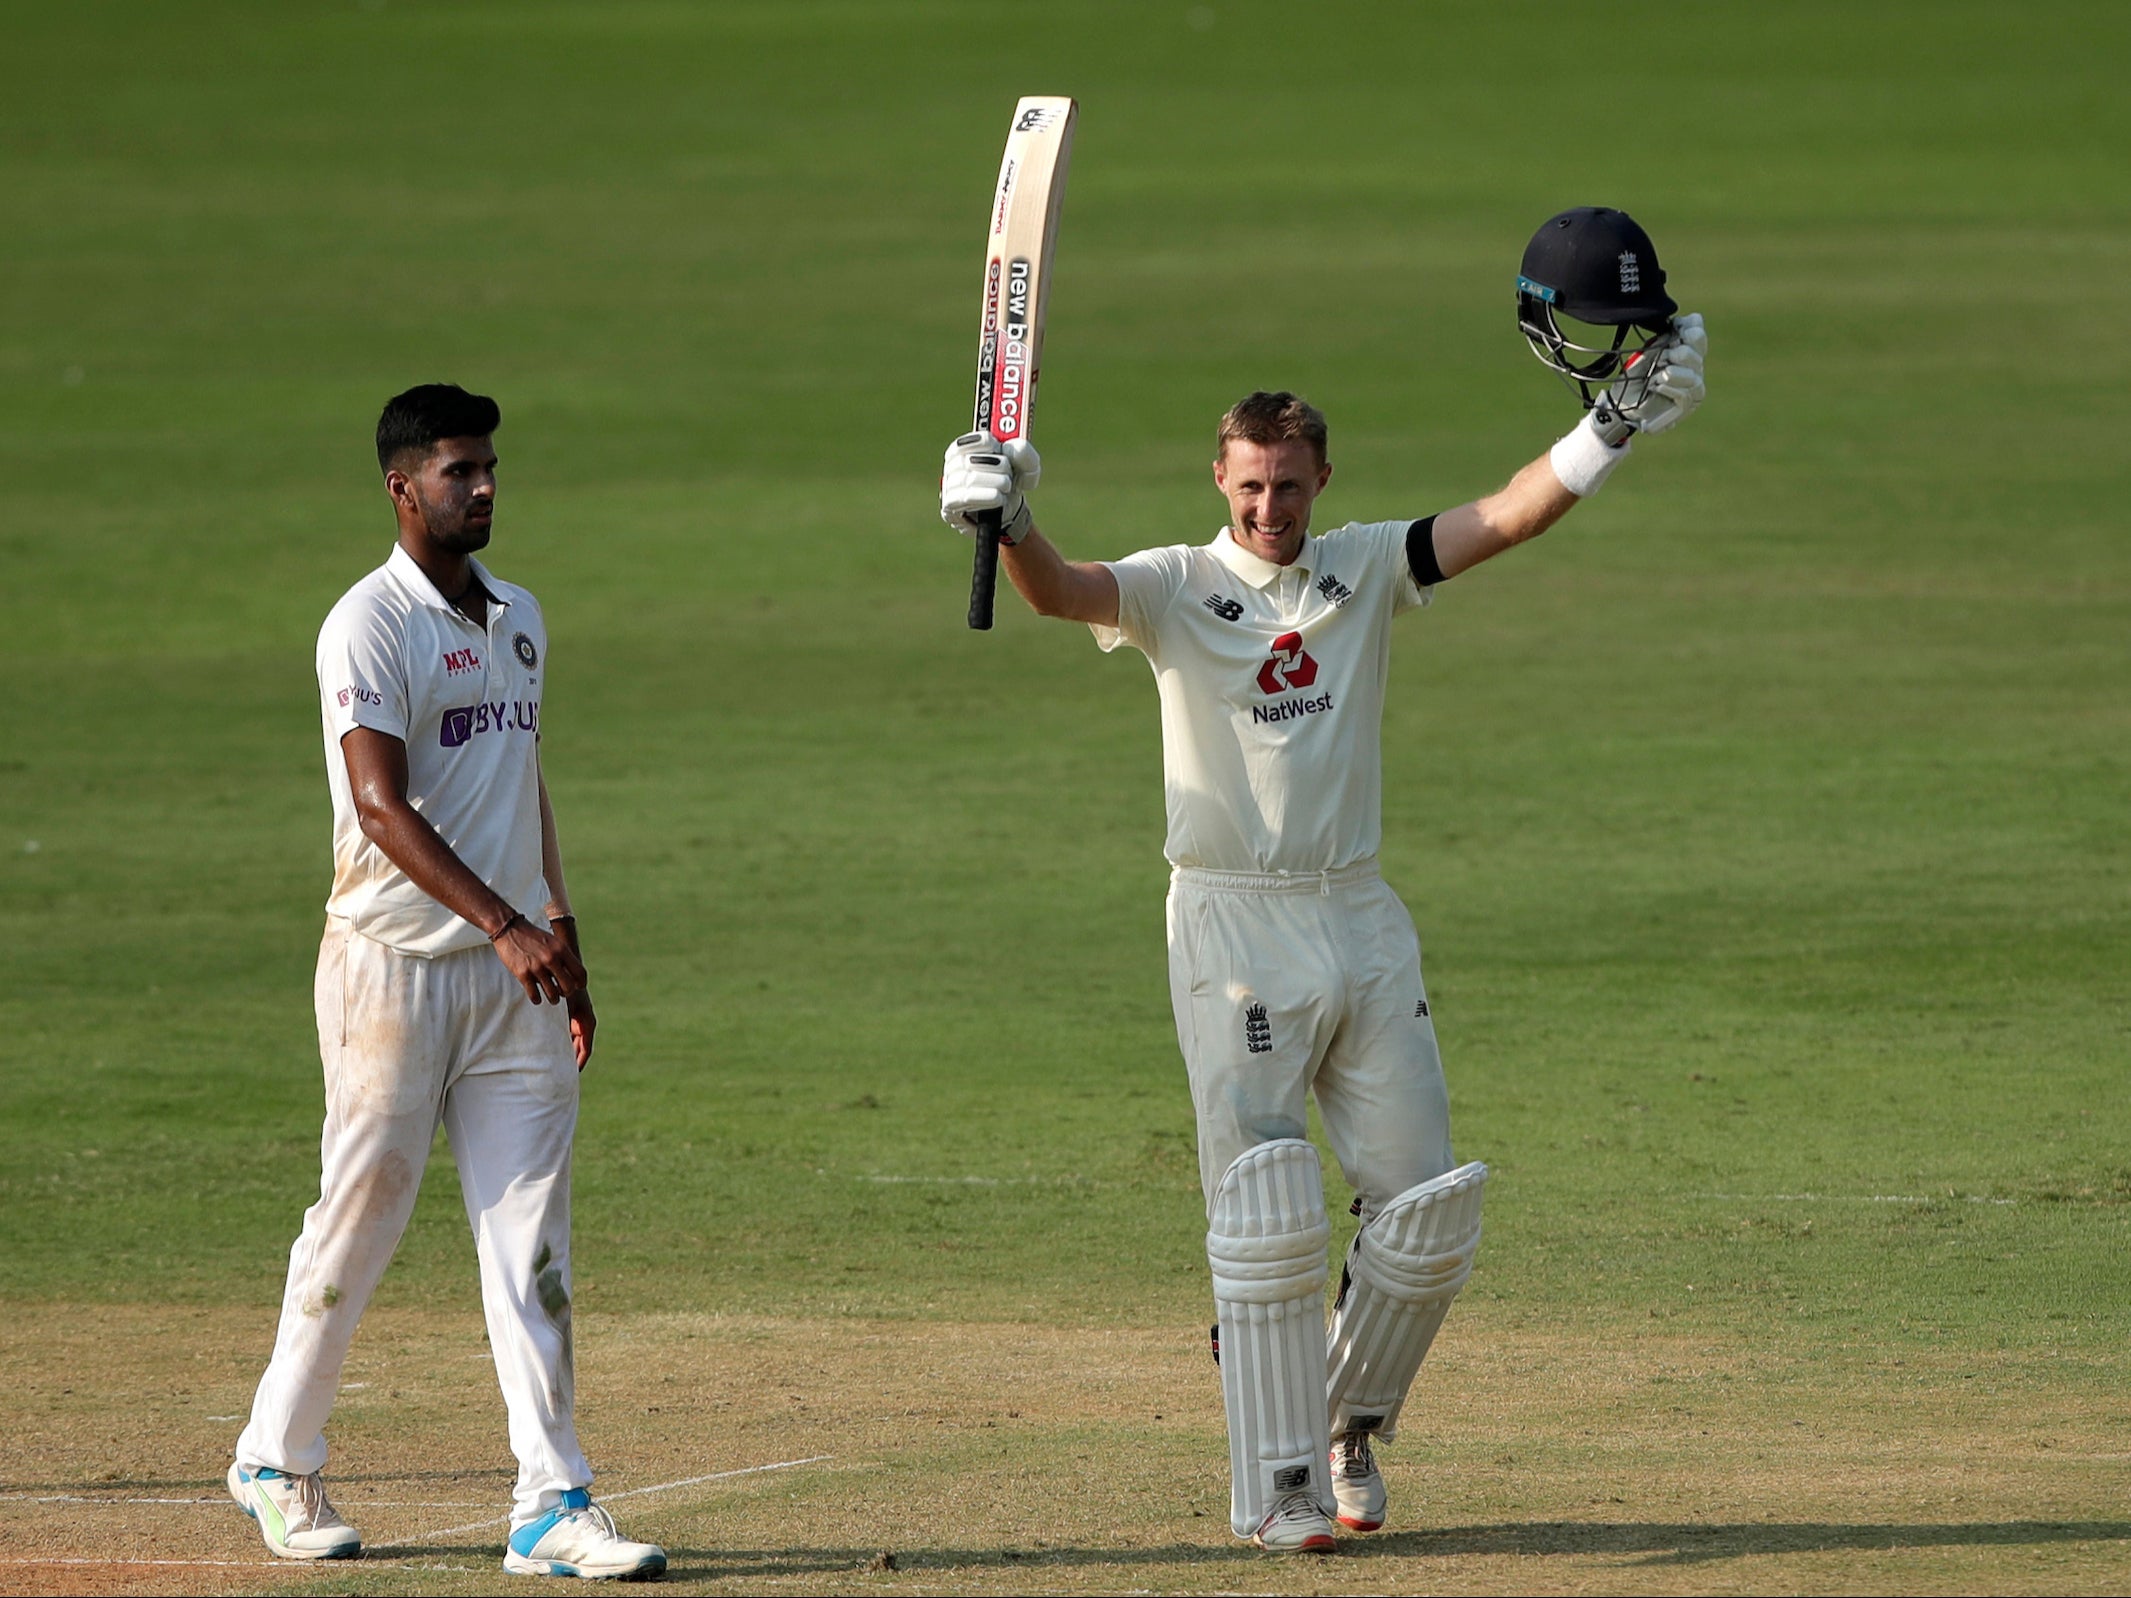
217	1502
634	1492
194	1564
227	1564
71	1498
1844	1198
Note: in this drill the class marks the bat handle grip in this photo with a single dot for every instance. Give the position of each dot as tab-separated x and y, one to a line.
984	579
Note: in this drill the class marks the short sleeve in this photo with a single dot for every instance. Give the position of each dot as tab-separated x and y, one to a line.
362	676
1147	584
1406	590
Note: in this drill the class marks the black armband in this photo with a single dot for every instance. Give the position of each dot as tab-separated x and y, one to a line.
1420	553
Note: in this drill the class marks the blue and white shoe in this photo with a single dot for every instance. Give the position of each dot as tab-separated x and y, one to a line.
577	1538
294	1515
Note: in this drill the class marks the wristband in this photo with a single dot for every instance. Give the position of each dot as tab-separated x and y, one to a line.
1015	528
1583	460
516	920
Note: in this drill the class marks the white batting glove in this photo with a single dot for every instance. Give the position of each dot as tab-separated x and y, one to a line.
981	474
1674	386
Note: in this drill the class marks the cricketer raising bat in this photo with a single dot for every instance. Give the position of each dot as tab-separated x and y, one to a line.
1017	286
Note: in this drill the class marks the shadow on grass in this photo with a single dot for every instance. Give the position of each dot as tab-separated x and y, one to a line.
1693	1544
1658	1543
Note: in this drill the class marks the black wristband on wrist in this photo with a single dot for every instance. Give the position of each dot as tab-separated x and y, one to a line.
515	920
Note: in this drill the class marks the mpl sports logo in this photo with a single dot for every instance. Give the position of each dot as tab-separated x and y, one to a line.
464	723
1009	406
458	661
1289	666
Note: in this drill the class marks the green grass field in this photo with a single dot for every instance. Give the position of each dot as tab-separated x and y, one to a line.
1765	823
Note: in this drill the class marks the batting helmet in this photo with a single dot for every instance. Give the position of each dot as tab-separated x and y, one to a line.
1596	266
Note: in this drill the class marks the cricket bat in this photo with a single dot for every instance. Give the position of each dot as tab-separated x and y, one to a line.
1017	287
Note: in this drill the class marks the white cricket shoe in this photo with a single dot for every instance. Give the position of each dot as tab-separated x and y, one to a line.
1357	1484
294	1515
1296	1525
577	1538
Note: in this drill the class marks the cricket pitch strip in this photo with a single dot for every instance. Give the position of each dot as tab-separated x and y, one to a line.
857	1456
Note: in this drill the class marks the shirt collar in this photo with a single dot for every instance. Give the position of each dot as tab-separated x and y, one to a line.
416	581
1250	568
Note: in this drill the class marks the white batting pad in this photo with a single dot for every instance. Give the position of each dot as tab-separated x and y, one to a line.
1403	1271
1266	1242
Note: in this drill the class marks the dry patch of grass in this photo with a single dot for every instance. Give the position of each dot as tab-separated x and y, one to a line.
1004	1458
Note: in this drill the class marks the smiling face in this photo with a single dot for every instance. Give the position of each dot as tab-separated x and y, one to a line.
1270	488
448	497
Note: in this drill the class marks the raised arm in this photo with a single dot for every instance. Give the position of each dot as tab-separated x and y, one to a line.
1534	500
1549	487
982	475
1076	590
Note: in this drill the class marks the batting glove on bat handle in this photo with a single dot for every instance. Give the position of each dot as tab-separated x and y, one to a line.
981	475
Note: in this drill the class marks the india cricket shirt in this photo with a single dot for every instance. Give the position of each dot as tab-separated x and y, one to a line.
397	657
1272	687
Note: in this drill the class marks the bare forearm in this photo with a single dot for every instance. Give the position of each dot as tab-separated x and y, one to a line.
551	859
1527	506
412	844
1054	586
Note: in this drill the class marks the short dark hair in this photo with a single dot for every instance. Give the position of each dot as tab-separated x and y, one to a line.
416	419
1277	418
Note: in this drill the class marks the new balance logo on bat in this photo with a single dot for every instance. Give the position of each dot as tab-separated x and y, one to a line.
1034	119
1009	406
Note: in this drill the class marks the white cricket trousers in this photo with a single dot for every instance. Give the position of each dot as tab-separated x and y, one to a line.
408	1043
1288	985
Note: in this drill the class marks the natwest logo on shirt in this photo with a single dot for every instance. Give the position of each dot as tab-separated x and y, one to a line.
1289	667
461	660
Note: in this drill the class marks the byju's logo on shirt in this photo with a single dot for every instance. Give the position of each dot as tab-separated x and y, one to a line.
1289	667
463	723
360	695
461	660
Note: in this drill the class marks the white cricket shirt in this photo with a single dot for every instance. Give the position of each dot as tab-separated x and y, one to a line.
395	656
1272	686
